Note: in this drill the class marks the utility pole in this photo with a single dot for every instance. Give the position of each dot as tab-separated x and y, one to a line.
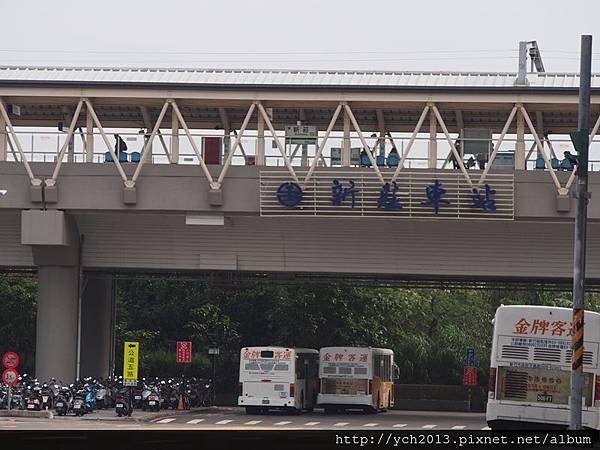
580	140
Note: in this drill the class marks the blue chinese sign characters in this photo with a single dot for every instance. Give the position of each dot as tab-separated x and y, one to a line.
387	197
339	193
289	194
486	201
434	193
415	194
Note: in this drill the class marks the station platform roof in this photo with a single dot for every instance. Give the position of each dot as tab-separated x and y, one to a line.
290	79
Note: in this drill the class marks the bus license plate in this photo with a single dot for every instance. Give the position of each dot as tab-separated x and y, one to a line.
265	402
545	398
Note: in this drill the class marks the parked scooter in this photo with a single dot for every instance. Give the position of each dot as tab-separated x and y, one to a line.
145	394
90	398
47	397
34	399
16	401
123	403
64	401
103	397
153	400
137	396
79	402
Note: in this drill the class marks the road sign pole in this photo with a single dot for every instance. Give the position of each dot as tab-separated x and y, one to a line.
581	195
9	396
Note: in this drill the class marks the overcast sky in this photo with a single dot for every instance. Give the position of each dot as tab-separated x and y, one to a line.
480	35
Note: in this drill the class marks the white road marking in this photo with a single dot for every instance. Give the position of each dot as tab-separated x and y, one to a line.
458	427
285	422
8	426
400	425
253	422
165	421
310	424
194	421
486	428
429	427
340	424
224	422
370	425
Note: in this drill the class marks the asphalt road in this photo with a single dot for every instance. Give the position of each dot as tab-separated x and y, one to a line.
236	418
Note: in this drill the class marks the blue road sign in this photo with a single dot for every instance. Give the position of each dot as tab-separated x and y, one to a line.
470	357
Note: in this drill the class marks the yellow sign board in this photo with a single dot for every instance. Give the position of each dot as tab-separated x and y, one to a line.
130	360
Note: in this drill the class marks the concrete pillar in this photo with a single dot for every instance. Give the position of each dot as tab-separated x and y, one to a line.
89	138
432	149
3	137
97	328
346	156
520	146
174	156
260	144
56	336
54	240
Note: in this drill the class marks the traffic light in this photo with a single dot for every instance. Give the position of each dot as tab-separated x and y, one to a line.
580	139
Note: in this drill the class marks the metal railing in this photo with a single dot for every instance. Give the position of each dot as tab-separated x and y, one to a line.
44	146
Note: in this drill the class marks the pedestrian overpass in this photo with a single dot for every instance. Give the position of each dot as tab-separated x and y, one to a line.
394	176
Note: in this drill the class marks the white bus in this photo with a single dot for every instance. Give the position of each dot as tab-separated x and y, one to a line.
278	377
356	378
530	368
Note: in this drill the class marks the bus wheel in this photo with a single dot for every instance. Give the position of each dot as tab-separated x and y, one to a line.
329	410
252	410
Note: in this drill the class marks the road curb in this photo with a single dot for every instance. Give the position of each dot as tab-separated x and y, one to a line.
21	413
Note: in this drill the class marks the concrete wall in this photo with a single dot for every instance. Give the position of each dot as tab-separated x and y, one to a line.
399	248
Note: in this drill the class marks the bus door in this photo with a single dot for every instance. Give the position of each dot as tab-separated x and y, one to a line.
310	383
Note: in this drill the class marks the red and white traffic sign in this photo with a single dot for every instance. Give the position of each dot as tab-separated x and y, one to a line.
10	377
184	351
10	360
469	376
